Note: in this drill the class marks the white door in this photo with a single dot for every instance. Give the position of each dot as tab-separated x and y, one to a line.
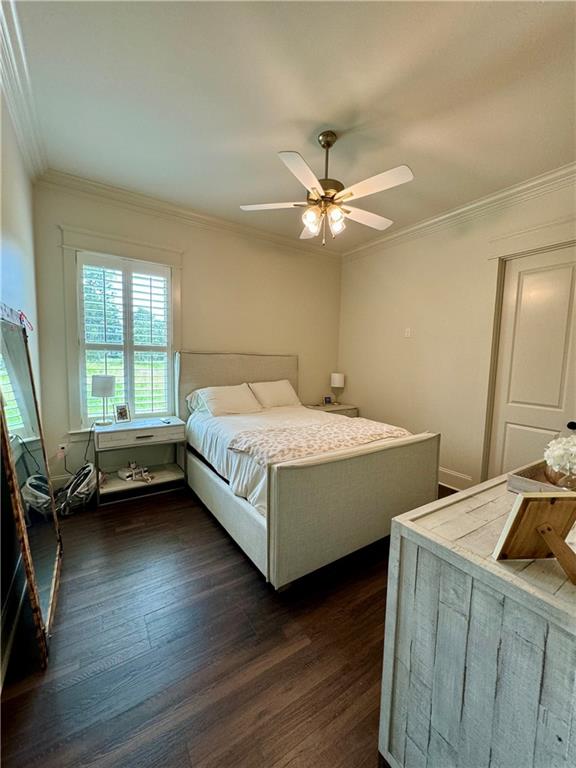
536	377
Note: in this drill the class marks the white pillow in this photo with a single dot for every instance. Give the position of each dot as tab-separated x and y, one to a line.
195	402
222	401
272	394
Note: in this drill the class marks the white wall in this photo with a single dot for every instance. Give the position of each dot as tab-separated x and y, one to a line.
238	295
441	285
17	275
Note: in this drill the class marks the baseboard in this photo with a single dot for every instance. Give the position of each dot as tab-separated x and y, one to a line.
455	480
58	481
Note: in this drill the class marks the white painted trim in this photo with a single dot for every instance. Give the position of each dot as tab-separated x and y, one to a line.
557	233
82	239
79	435
127	267
535	187
72	338
17	91
534	240
454	479
144	204
75	240
151	206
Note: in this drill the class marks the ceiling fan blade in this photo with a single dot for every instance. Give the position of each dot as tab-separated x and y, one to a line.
306	234
300	168
378	183
270	206
367	218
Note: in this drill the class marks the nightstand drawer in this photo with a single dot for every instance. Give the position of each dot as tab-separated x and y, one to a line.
350	412
342	409
143	436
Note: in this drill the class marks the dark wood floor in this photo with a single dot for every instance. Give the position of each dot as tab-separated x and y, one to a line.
169	650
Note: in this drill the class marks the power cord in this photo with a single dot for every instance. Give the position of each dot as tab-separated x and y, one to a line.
90	438
29	452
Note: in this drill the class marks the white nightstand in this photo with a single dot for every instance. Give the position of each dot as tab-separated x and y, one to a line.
135	434
340	410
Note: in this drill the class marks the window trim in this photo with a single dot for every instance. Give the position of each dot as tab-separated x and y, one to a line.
25	431
74	242
127	267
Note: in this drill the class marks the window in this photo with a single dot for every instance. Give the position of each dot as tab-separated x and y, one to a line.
125	331
14	420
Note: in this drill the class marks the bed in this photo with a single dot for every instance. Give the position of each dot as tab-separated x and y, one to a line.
310	511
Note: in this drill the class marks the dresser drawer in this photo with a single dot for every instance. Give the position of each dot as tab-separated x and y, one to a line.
143	436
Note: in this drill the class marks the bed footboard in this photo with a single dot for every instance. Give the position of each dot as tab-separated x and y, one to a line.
318	513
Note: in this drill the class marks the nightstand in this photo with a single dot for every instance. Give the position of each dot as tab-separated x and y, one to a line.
340	410
132	435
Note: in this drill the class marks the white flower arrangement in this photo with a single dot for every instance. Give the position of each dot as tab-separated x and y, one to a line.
560	455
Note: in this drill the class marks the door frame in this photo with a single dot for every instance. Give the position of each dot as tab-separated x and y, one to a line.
495	346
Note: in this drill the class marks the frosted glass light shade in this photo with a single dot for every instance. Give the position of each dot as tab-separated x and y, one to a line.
337	226
311	217
335	213
103	386
337	380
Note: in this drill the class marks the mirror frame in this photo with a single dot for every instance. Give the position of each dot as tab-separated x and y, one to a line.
43	624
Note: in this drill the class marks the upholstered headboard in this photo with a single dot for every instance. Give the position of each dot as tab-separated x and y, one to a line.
195	370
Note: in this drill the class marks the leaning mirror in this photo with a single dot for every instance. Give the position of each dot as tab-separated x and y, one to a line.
25	474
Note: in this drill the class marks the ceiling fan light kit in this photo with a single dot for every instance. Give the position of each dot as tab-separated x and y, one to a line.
327	199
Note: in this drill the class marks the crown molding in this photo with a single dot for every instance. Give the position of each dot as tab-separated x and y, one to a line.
139	203
535	187
18	92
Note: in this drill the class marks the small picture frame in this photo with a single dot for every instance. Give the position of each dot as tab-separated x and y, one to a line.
327	399
122	412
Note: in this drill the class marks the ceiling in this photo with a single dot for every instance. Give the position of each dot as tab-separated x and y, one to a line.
190	102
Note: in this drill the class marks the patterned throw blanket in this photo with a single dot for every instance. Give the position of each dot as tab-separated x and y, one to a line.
271	446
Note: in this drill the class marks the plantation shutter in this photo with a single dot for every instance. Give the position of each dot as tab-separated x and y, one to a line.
126	332
150	324
12	412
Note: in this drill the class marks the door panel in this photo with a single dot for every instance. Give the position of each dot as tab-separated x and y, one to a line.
541	336
535	391
523	444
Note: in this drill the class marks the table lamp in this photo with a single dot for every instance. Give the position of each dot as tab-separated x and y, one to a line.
103	386
336	382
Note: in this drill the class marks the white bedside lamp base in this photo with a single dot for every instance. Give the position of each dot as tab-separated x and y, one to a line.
103	386
336	382
104	422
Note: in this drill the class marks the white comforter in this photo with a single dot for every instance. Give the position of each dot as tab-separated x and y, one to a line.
211	437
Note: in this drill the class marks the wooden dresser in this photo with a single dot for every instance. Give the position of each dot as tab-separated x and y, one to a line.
479	656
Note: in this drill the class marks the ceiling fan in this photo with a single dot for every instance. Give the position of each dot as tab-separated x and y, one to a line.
327	200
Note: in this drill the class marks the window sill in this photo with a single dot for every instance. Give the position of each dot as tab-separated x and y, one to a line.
79	435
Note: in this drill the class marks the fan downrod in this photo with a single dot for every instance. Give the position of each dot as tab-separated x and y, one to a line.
327	139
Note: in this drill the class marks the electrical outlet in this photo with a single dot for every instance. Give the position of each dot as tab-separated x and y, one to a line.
407	333
62	450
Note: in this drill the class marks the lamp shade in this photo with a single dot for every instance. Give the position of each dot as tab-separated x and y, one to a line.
103	386
337	380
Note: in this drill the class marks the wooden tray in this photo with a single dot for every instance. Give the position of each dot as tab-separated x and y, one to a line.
532	479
